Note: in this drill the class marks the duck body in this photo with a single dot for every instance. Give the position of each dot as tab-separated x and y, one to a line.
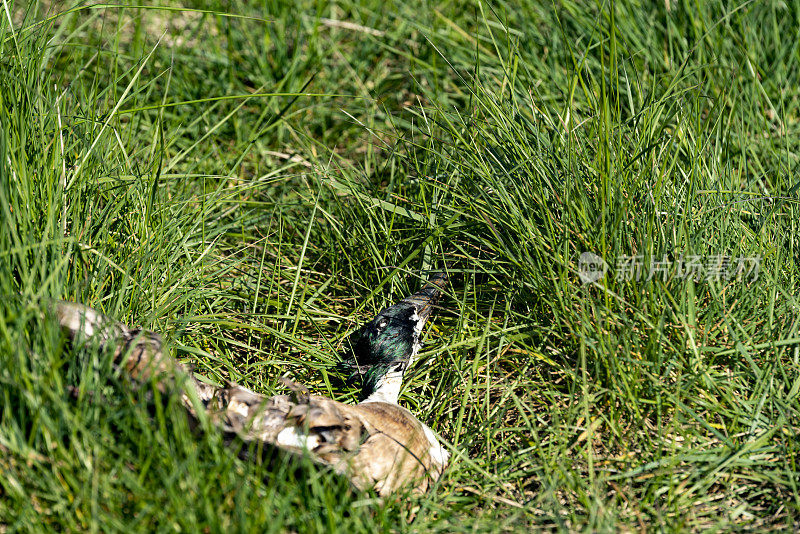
376	443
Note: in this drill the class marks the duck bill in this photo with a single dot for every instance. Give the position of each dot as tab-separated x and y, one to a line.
426	298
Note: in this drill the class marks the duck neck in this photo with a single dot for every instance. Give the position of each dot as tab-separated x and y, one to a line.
387	389
388	386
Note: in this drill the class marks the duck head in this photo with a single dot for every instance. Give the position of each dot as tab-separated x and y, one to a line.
380	351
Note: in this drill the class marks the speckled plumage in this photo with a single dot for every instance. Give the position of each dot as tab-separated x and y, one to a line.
377	444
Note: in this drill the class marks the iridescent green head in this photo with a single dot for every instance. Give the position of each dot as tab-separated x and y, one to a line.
388	343
385	344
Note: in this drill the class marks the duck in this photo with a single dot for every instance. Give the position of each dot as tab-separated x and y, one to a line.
377	444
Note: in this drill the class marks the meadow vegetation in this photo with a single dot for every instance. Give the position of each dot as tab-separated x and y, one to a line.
256	179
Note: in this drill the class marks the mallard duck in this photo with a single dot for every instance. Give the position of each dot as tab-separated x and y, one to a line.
376	443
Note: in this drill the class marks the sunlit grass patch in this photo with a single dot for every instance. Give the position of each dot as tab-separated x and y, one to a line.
254	181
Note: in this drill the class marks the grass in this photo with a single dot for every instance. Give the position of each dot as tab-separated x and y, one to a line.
254	181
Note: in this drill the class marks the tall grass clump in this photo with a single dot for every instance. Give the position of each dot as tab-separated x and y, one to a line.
253	181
